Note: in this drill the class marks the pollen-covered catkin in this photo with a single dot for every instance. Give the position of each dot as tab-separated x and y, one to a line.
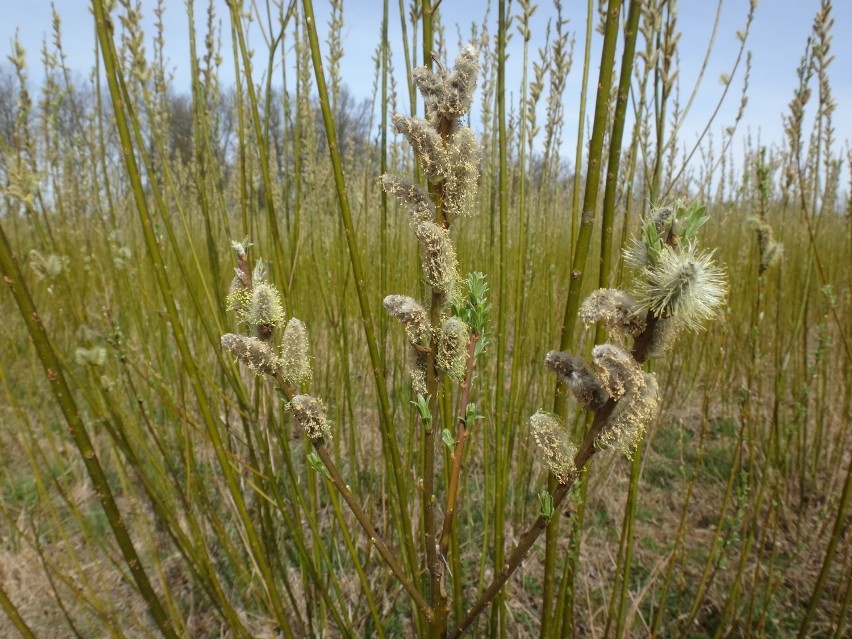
420	205
309	414
684	284
254	353
427	145
552	439
449	96
440	266
413	316
264	311
617	369
573	371
238	297
631	416
463	172
616	310
418	362
460	84
452	348
295	353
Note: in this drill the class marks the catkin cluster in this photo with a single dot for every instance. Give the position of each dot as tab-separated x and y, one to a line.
678	287
257	304
448	155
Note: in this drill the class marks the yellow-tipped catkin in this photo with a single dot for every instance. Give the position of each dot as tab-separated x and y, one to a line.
452	348
413	316
254	353
553	441
575	373
295	353
463	175
616	310
427	144
264	311
238	297
617	369
309	415
631	416
419	203
440	266
417	371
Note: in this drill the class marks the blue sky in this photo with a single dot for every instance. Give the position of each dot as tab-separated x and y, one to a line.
777	42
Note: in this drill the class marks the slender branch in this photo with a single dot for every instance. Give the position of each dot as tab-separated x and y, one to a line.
15	616
389	441
375	540
458	453
587	449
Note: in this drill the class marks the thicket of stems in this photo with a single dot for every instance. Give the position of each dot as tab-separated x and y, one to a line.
137	453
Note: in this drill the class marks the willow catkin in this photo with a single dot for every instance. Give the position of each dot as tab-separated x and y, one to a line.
264	310
452	348
420	206
295	353
449	95
253	352
310	415
426	143
685	284
552	440
573	371
617	369
414	318
631	416
616	310
463	156
440	265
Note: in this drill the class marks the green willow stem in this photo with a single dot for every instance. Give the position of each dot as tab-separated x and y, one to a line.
628	531
501	470
383	159
581	253
581	122
840	522
120	103
15	616
521	264
53	370
631	28
386	423
412	93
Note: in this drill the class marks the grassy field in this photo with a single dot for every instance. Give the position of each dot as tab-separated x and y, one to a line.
152	484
